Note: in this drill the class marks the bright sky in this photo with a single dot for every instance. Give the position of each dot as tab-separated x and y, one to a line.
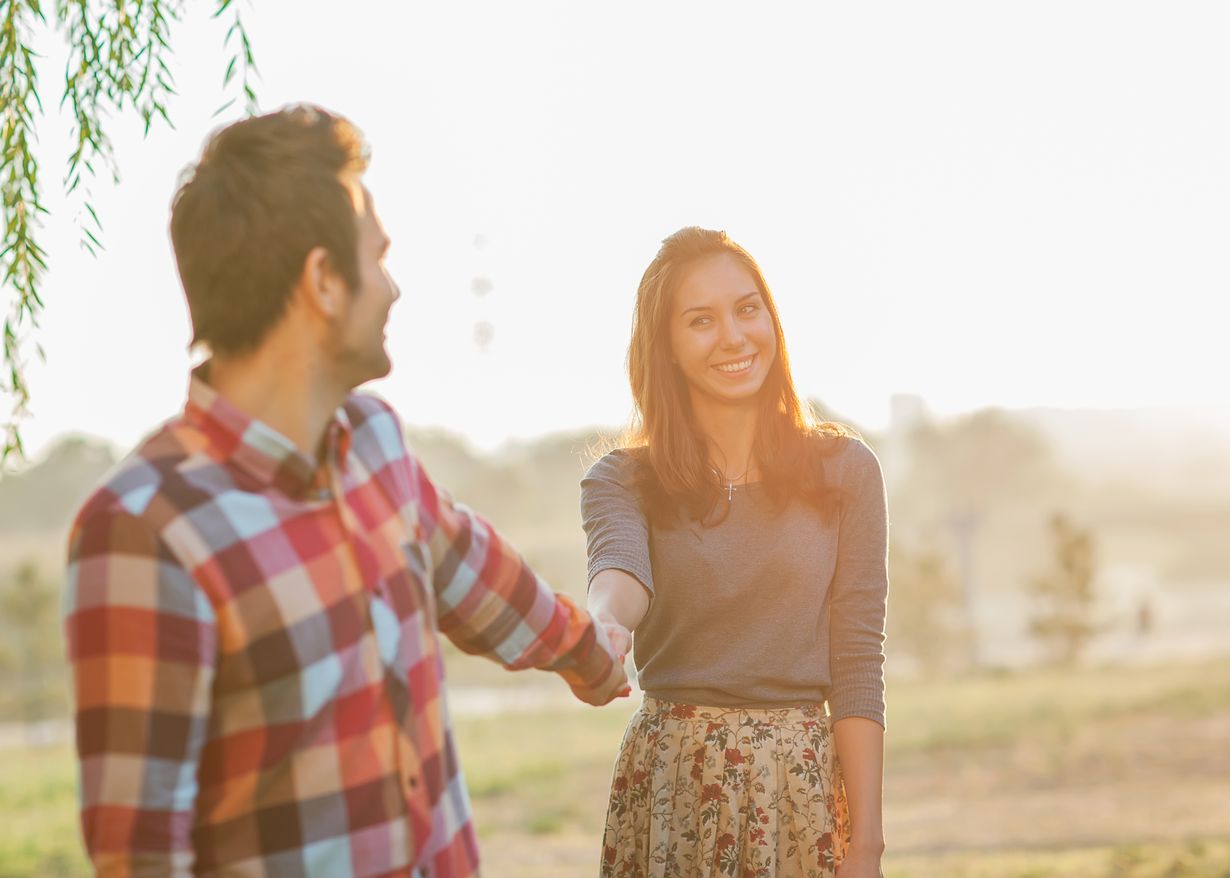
984	204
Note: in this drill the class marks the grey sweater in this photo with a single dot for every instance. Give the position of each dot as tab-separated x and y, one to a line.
769	607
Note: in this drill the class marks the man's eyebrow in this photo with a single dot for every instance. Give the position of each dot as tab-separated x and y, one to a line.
737	301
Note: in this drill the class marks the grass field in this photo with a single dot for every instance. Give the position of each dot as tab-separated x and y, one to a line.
1104	773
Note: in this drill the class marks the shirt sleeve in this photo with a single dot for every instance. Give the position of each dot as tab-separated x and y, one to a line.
141	646
490	603
860	593
616	533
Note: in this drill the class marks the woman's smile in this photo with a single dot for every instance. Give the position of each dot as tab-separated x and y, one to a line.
736	367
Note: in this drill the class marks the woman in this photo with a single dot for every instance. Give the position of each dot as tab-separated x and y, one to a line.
746	548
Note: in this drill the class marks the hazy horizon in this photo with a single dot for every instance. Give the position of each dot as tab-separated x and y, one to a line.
1211	420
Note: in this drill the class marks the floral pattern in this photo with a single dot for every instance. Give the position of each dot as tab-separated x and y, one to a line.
702	792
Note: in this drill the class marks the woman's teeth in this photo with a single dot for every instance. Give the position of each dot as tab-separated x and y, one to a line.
735	367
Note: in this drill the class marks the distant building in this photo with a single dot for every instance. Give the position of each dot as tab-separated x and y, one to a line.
907	412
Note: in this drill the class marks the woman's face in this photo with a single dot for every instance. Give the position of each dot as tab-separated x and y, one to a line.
721	332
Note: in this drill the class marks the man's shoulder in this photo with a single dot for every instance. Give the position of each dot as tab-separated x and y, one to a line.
362	406
149	482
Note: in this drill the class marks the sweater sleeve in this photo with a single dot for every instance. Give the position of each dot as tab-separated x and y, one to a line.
859	593
616	533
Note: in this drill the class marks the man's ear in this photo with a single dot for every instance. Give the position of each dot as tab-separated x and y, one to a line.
321	289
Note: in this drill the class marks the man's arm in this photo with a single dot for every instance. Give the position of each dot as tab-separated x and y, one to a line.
141	645
490	603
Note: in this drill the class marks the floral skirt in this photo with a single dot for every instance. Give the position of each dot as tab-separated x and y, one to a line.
719	791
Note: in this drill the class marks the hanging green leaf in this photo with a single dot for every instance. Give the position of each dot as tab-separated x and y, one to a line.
117	62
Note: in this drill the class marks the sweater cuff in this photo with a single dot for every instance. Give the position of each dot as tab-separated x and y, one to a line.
859	695
627	565
867	710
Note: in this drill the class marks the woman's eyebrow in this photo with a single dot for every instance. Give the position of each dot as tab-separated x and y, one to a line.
710	307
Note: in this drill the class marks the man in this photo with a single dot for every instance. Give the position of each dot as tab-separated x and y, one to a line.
253	595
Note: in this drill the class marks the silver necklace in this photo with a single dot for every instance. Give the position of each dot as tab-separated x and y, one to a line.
730	482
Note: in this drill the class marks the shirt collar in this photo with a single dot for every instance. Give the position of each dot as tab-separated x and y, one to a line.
261	451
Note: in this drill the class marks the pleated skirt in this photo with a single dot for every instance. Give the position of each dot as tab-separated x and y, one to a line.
716	791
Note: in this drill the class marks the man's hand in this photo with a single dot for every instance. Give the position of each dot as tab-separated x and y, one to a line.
612	639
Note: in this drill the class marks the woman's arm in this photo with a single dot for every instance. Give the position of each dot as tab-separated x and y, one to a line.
617	601
856	699
860	752
617	546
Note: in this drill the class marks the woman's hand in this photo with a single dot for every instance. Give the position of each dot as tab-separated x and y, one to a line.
862	861
618	602
619	637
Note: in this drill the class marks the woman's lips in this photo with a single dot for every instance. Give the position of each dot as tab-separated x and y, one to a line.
735	367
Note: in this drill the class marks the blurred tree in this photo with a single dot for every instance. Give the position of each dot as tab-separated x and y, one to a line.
43	497
31	656
966	466
925	611
116	62
976	483
1067	601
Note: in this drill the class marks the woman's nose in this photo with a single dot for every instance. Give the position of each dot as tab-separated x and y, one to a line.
732	335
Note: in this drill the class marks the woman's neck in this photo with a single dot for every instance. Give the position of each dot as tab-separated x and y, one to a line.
731	434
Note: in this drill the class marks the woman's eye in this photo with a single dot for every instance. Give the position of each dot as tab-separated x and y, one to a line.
750	308
700	321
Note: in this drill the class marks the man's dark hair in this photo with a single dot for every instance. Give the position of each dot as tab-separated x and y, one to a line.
265	192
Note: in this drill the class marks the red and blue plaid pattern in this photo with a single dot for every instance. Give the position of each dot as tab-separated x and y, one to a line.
259	687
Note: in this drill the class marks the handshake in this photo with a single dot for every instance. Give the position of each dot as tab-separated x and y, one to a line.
614	639
597	675
618	637
617	602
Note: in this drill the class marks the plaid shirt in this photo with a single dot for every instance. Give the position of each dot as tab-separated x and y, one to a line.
259	686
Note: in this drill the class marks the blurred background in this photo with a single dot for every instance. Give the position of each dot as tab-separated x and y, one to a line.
996	238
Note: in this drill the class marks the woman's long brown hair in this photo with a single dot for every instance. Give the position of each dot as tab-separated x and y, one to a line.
675	476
